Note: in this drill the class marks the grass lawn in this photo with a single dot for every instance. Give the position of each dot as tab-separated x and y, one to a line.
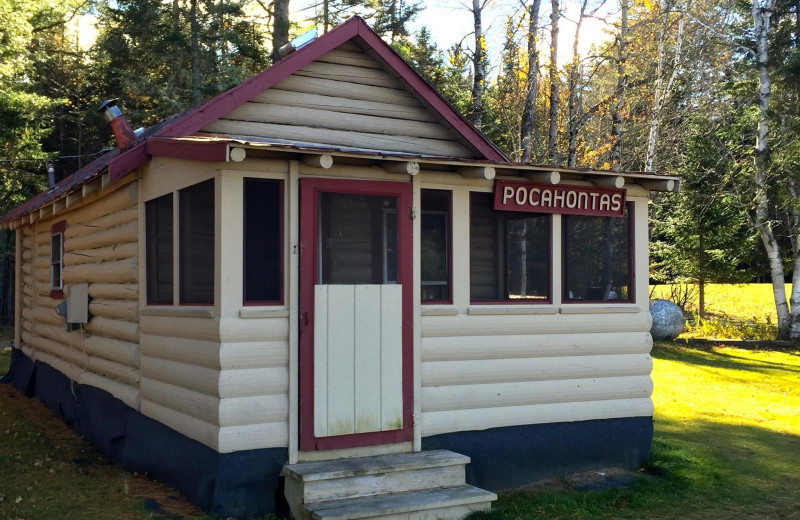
727	445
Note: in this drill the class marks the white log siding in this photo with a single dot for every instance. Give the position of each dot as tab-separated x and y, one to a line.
207	372
345	98
101	249
489	366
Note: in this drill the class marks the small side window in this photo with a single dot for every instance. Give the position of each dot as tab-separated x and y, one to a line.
56	260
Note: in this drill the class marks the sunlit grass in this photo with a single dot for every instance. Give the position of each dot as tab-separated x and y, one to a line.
728	386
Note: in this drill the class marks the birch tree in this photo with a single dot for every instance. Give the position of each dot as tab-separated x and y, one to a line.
552	134
617	117
663	89
761	11
529	109
478	63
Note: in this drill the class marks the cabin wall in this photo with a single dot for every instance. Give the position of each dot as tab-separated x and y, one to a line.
218	374
345	99
179	344
494	365
101	249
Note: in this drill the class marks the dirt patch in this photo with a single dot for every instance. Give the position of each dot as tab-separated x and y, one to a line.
58	447
597	480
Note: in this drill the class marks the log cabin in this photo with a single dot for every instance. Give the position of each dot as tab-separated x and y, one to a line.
325	290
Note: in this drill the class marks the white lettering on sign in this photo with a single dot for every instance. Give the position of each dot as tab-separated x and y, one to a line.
508	192
579	200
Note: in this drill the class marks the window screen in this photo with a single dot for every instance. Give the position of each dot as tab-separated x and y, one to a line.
435	238
263	250
597	257
196	237
509	253
158	222
357	239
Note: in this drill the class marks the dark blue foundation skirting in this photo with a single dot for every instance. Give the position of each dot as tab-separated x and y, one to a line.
507	458
243	485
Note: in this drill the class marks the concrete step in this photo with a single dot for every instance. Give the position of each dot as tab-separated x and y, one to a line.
449	503
366	476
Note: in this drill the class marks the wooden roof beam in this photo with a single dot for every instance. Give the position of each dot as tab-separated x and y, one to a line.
609	181
544	177
323	161
401	167
477	172
667	185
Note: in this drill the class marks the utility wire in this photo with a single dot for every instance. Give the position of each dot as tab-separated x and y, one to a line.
56	158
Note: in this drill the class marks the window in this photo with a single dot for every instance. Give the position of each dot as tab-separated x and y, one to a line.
57	259
196	238
357	239
509	253
263	249
597	258
195	233
159	257
435	239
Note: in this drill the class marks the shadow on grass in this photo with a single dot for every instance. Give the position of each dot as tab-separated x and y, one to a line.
697	471
719	359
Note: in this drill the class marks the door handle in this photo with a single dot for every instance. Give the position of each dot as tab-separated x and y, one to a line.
304	319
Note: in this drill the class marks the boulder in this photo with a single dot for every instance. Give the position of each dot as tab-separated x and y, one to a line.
668	320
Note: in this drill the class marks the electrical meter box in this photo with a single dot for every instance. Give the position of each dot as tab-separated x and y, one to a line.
78	303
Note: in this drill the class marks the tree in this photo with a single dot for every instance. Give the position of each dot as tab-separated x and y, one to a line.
163	58
552	135
478	63
424	55
504	98
393	16
528	125
617	116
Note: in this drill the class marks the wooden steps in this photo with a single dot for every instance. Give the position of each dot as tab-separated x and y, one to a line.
426	485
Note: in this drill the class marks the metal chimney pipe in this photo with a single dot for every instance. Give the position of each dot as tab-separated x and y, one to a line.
51	175
122	130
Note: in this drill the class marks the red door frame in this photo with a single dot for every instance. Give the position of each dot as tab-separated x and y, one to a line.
310	188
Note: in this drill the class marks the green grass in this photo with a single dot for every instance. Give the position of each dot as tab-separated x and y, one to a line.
726	445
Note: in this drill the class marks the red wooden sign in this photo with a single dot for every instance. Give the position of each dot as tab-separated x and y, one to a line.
569	200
